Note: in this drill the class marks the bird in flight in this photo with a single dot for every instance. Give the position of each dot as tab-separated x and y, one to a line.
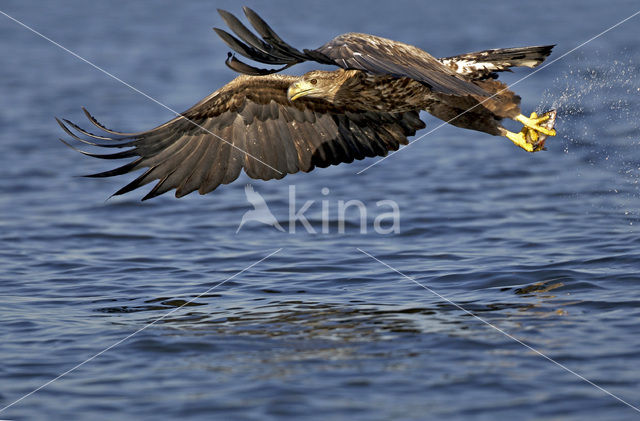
270	125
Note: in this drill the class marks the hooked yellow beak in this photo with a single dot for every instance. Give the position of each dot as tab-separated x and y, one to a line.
297	90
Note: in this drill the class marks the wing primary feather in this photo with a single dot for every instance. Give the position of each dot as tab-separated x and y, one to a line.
162	169
138	182
158	189
87	143
102	145
67	131
238	46
271	37
117	171
159	146
241	67
101	127
118	155
81	130
172	155
184	167
247	36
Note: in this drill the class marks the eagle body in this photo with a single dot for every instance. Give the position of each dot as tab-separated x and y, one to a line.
268	124
396	95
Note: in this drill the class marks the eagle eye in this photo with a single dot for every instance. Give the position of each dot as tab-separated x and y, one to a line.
313	81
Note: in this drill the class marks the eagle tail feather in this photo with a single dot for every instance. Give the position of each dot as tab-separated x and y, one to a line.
484	64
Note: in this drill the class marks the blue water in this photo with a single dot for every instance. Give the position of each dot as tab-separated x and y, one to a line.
544	247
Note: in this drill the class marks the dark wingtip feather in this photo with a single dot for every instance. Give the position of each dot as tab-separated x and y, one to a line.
70	133
247	51
70	145
246	35
152	193
67	131
241	67
131	166
101	127
86	133
233	43
73	135
138	182
270	36
118	155
158	189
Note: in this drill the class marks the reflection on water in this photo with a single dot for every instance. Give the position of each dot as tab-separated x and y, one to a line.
354	321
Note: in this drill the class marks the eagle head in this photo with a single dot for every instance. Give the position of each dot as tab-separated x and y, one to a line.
318	84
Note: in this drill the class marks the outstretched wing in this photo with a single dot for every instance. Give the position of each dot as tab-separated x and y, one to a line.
350	51
248	124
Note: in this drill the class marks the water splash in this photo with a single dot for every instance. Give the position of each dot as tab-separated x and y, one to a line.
598	103
597	91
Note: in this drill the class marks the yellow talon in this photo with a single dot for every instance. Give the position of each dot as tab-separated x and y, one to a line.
520	140
534	118
532	136
529	134
533	123
532	133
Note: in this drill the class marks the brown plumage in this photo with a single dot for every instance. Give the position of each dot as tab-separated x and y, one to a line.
250	124
270	125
